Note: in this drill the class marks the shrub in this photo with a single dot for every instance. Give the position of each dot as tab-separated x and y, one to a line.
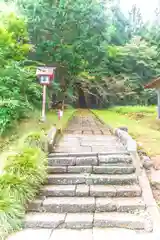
19	91
23	173
26	168
11	214
11	110
36	139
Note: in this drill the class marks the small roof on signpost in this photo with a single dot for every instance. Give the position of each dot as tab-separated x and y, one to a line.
44	70
155	83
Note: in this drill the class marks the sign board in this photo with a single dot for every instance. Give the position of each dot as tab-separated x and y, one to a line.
45	74
44	80
47	71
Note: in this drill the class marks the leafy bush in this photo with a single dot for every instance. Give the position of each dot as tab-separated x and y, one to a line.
23	173
19	91
11	111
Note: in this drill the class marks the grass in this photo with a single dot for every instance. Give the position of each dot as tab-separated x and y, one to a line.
142	124
32	124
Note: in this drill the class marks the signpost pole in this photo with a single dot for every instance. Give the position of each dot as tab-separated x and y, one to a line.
44	104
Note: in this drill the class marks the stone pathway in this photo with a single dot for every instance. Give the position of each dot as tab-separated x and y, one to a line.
87	134
91	193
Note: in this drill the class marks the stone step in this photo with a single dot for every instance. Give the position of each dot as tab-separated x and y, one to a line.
112	169
115	158
92	190
71	161
91	179
84	220
86	154
87	204
89	160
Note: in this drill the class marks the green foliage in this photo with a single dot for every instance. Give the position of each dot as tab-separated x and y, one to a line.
92	43
36	139
94	46
72	35
19	92
11	214
130	67
22	175
10	111
13	38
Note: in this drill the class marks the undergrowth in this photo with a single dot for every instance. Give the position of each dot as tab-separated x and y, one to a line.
20	180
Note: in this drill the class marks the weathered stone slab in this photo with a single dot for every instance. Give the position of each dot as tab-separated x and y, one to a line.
86	161
83	154
97	132
118	220
115	159
58	190
67	149
64	179
111	179
71	234
128	191
78	132
115	234
87	132
107	153
110	148
113	169
80	169
40	234
82	190
57	169
69	204
44	220
78	220
119	204
61	161
85	149
105	205
57	155
129	204
102	191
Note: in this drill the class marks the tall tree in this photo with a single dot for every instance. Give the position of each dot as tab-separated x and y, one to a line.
70	34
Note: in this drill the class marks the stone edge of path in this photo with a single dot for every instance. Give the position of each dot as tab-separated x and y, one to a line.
151	205
51	138
54	134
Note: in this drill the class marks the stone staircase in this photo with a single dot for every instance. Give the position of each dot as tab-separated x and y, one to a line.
86	190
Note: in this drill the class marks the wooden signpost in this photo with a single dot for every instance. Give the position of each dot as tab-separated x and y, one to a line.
45	76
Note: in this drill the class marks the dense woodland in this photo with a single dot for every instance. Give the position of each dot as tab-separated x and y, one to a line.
92	44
